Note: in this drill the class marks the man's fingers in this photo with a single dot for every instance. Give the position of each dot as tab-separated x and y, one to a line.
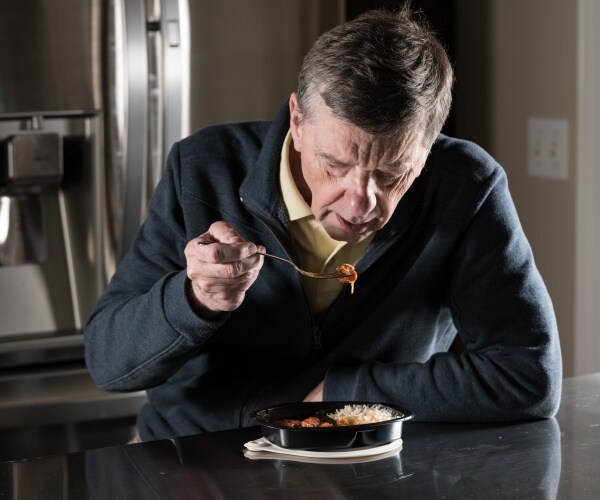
223	232
222	243
220	253
221	266
223	275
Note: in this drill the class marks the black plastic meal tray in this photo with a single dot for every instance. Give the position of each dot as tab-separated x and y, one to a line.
323	438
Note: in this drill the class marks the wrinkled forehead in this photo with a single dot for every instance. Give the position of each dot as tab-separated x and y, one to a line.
403	135
345	142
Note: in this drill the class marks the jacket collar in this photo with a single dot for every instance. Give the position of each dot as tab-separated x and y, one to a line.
260	191
264	177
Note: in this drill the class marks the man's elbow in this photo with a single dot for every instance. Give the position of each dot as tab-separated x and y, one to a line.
543	399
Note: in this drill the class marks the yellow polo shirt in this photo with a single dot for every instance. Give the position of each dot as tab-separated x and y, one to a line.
316	249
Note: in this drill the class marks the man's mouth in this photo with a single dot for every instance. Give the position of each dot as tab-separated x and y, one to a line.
360	228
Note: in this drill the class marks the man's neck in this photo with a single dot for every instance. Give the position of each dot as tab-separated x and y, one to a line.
296	168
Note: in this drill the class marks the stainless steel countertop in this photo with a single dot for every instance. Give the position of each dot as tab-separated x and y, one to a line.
57	395
558	458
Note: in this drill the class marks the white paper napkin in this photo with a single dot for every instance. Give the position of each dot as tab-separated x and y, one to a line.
263	448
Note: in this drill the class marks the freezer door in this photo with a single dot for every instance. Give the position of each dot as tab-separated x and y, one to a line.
48	50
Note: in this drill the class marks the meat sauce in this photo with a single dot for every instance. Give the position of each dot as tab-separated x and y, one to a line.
291	423
350	275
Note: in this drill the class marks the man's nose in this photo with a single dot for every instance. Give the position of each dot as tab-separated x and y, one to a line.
360	194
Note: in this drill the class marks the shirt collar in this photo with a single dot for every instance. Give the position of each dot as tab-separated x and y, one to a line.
294	201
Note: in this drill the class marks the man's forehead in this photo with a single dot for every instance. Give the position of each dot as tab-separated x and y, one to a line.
322	114
396	151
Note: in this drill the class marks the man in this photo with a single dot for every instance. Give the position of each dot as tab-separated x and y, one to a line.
352	169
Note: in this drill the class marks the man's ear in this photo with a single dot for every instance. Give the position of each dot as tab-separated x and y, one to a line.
295	122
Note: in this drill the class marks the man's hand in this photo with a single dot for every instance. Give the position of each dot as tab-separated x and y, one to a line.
221	266
316	395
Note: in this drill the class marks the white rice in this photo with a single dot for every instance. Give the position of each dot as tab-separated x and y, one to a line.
361	414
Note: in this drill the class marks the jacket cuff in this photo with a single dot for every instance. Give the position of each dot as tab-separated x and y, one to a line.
180	314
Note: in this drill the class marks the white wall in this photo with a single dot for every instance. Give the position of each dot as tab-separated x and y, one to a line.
587	296
518	59
246	54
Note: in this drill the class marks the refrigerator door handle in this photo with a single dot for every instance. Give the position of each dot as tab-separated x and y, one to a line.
156	109
149	109
175	25
168	84
136	68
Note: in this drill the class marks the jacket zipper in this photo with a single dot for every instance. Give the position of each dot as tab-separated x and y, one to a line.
316	331
280	244
267	228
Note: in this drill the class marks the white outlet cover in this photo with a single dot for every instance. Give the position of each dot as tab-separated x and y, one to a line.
548	148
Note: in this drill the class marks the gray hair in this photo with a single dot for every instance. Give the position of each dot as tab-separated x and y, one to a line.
383	72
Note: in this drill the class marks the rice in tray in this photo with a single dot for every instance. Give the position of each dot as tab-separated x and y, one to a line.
361	414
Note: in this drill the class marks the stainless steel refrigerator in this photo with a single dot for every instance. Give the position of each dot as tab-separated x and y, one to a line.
93	93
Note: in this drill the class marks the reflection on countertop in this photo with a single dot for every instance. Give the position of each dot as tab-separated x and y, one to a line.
57	408
546	459
437	461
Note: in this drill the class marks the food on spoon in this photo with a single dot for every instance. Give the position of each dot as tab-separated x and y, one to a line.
350	275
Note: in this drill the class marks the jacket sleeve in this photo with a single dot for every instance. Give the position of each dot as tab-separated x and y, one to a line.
142	328
512	367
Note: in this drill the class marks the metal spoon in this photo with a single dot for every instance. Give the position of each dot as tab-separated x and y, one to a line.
310	274
335	275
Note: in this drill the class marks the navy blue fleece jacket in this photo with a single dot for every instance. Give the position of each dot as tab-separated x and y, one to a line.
452	260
